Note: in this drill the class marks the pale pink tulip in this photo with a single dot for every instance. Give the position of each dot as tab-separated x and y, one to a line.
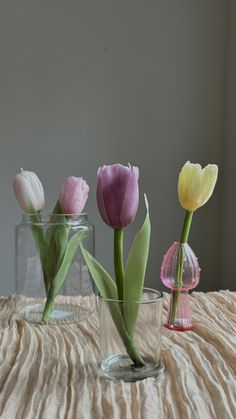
74	194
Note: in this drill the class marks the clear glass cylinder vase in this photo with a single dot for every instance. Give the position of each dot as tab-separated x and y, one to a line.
50	269
129	353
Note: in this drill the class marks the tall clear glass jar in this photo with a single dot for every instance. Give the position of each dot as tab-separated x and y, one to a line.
50	269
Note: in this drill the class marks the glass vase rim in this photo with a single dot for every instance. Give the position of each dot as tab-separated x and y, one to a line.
47	218
159	297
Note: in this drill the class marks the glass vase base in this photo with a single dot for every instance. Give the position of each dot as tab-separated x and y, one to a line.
61	314
120	367
178	328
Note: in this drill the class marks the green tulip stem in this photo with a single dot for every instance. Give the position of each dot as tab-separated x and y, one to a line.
180	265
186	227
128	339
119	260
39	238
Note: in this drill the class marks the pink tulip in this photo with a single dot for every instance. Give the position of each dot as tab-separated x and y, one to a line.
118	194
74	194
29	191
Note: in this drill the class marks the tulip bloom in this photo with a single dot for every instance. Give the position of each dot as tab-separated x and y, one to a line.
118	194
196	185
118	198
29	191
74	194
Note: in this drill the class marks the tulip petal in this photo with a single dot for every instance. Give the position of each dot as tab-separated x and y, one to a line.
131	198
116	194
114	182
196	185
209	180
29	191
74	195
100	201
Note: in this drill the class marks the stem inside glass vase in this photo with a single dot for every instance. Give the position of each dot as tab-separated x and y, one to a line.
180	265
128	340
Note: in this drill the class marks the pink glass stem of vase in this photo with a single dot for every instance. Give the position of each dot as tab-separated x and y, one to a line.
183	315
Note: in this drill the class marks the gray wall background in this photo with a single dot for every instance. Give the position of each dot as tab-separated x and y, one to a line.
228	267
83	83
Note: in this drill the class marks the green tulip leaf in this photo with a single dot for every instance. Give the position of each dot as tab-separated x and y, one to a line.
42	248
57	238
108	289
103	281
135	272
66	263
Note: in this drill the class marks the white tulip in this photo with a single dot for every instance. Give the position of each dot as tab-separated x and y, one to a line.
29	191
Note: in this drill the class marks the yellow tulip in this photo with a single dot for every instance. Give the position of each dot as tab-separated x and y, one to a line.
196	185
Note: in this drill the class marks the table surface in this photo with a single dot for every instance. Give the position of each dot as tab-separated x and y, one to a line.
52	372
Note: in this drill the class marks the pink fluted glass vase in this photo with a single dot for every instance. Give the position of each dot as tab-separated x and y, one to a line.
180	272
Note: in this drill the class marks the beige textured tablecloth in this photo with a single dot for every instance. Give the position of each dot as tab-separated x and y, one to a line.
53	373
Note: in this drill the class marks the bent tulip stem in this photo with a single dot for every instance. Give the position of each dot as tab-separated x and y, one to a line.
134	354
128	341
47	310
180	264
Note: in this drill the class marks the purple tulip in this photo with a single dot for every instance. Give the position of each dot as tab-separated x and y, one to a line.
118	194
74	194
